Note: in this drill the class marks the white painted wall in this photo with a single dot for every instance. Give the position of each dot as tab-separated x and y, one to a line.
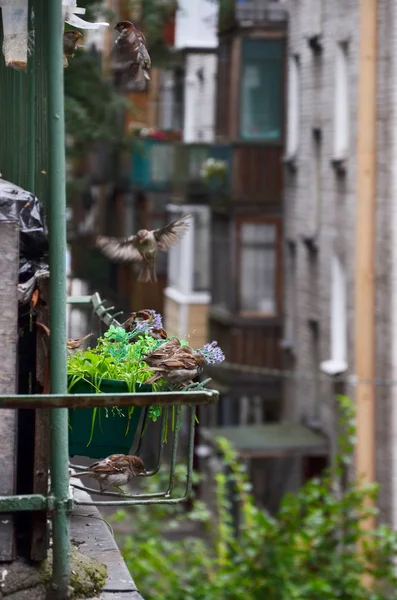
196	24
200	90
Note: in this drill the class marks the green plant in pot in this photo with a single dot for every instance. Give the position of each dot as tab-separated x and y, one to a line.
116	365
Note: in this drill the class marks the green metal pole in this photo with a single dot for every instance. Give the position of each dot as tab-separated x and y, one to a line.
31	129
57	233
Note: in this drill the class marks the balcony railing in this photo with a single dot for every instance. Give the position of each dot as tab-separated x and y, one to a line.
152	165
246	13
176	167
254	172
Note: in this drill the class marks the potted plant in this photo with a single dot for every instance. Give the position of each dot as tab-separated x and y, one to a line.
213	172
116	365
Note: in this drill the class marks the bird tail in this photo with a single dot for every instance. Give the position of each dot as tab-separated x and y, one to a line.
148	273
153	379
82	474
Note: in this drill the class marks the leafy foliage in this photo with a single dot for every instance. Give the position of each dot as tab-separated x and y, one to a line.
114	358
309	551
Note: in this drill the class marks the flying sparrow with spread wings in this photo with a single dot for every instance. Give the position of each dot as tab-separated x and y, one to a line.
71	41
130	52
114	471
144	246
175	363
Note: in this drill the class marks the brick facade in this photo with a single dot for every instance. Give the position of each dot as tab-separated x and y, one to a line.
307	285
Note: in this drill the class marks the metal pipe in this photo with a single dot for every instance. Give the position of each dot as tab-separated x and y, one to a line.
57	259
25	502
31	129
63	400
365	245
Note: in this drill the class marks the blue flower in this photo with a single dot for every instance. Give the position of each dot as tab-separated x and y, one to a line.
212	353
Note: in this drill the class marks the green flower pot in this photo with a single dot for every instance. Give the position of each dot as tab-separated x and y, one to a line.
113	433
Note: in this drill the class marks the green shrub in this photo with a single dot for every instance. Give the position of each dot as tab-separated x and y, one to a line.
309	551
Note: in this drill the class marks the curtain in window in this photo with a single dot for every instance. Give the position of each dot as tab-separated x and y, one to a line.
261	102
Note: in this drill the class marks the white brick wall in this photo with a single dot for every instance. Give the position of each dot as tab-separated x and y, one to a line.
311	296
200	87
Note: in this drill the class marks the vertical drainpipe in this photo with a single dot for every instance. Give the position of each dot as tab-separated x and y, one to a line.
393	262
57	241
365	243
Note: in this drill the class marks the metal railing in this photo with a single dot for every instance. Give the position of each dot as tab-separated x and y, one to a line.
60	503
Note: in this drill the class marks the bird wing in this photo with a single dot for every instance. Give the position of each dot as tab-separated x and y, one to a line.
119	250
112	464
172	233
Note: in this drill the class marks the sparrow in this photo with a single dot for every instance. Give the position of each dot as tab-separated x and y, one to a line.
177	365
144	316
75	344
131	53
144	246
114	471
70	44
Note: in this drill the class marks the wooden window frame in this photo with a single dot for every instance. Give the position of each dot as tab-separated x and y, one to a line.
277	222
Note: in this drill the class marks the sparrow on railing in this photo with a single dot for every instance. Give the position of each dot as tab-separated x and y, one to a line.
77	343
114	471
178	365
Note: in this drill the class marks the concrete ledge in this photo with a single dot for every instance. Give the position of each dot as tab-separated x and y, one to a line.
93	538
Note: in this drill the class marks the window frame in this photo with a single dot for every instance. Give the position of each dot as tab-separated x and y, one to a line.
293	107
341	132
185	248
238	82
276	221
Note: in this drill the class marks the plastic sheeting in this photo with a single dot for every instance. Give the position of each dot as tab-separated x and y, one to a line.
17	204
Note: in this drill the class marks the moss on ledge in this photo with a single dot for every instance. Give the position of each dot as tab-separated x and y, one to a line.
87	575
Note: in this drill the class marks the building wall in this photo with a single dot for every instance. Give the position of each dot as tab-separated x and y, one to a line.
307	275
196	24
199	106
195	317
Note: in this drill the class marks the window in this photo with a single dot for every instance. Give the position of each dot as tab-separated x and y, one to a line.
341	116
293	107
220	263
261	102
290	320
315	179
189	259
338	362
201	251
259	270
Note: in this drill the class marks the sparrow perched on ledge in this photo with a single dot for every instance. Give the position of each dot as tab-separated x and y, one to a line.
144	246
75	344
176	364
131	53
71	41
114	471
145	320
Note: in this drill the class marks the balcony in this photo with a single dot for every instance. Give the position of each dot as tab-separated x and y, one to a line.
152	165
254	172
250	343
249	13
